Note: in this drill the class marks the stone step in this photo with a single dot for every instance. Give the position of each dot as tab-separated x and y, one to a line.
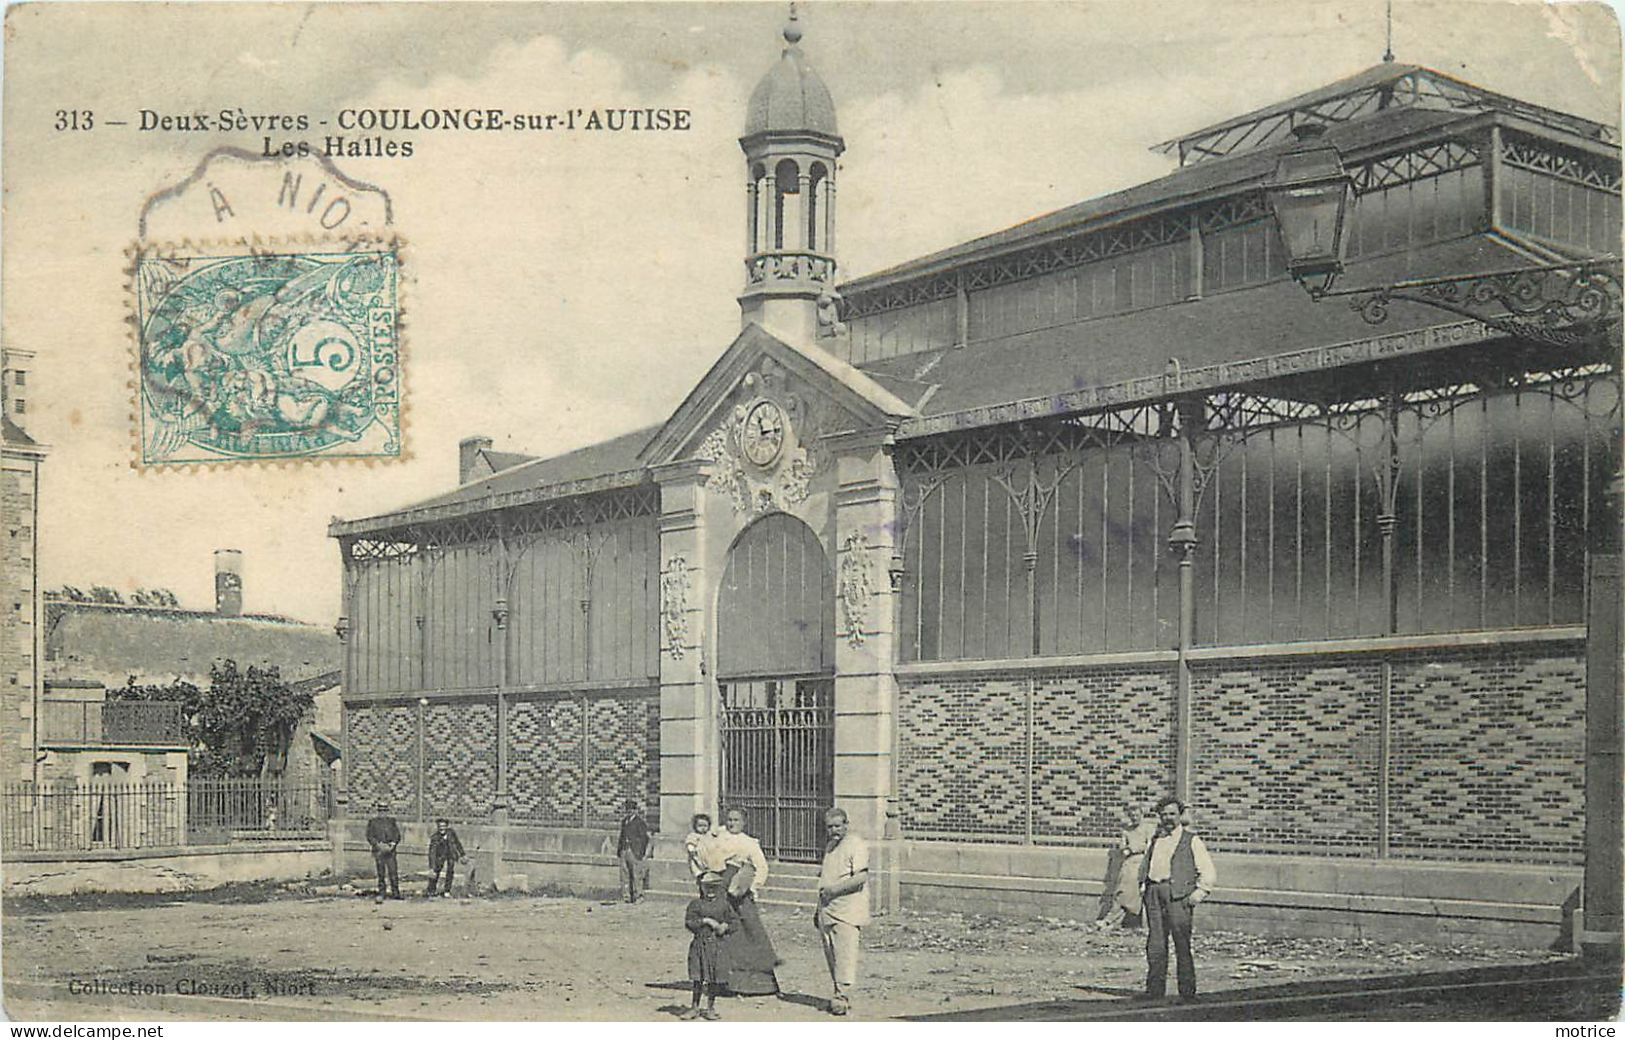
788	884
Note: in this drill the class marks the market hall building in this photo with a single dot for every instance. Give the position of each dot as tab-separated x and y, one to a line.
987	545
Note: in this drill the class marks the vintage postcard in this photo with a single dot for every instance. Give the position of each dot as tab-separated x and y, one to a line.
1089	511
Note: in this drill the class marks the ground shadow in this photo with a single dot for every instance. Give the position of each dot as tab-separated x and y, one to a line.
1574	988
685	986
804	999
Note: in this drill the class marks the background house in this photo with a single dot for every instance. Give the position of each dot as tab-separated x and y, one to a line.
94	644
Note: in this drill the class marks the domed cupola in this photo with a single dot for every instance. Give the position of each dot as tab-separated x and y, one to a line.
791	96
791	145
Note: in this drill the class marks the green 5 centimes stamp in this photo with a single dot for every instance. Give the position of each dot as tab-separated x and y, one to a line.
263	355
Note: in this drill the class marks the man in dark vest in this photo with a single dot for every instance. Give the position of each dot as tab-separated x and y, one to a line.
1176	874
383	835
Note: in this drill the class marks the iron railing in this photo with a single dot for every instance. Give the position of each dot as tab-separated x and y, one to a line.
778	768
73	816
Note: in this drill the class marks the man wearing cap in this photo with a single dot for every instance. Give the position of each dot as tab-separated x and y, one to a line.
445	850
383	835
634	848
843	906
1176	874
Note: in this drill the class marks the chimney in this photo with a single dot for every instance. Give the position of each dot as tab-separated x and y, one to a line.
468	458
228	582
15	368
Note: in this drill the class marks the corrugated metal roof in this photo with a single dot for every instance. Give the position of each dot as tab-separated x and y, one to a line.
1273	318
1180	187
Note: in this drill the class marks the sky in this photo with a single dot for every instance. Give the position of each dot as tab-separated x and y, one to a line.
564	289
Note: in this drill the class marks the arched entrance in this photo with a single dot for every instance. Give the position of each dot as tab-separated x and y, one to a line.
775	671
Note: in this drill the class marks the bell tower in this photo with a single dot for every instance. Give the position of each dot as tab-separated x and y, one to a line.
791	145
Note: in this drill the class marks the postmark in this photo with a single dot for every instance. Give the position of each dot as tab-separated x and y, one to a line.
268	353
266	317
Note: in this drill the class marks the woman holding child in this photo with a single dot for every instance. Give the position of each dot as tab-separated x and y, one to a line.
747	952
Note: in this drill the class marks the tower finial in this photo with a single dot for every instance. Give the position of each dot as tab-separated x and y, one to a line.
792	28
1388	51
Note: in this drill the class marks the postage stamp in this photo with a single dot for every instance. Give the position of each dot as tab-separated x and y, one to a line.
267	353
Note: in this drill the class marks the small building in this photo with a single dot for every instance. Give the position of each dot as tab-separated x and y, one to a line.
99	642
984	546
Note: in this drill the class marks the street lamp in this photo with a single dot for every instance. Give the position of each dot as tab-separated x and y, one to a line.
1311	193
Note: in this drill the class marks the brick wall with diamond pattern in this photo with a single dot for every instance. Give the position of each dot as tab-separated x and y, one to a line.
459	758
1489	756
380	758
1486	753
1286	755
573	760
1100	737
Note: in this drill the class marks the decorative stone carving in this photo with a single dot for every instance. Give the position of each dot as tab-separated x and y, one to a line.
857	586
830	324
675	585
785	479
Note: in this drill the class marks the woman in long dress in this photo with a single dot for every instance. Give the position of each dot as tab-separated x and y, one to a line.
747	952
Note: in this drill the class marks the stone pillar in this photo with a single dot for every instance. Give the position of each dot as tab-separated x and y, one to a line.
1603	919
753	211
866	513
774	236
688	720
829	215
804	218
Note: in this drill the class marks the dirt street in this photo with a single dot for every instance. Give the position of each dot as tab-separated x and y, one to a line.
275	954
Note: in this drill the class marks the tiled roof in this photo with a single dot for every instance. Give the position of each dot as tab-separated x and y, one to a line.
501	460
598	467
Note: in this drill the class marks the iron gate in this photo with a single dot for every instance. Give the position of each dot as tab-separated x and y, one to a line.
778	761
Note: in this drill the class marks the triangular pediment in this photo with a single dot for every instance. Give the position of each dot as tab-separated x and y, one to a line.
762	379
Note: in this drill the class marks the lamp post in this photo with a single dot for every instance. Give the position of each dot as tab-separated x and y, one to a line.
1311	195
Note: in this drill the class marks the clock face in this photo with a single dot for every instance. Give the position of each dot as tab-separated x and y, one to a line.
763	435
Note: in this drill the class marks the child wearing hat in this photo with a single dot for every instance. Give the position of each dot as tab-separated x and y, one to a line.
709	918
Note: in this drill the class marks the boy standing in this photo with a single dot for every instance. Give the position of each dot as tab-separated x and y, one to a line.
445	850
633	847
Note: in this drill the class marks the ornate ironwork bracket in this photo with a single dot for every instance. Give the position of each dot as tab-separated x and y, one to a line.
1557	304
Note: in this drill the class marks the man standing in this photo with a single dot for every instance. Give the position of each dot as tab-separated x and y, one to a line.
383	835
1176	874
634	848
843	905
445	850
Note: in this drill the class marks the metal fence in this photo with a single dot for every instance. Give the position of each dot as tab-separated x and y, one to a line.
72	816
